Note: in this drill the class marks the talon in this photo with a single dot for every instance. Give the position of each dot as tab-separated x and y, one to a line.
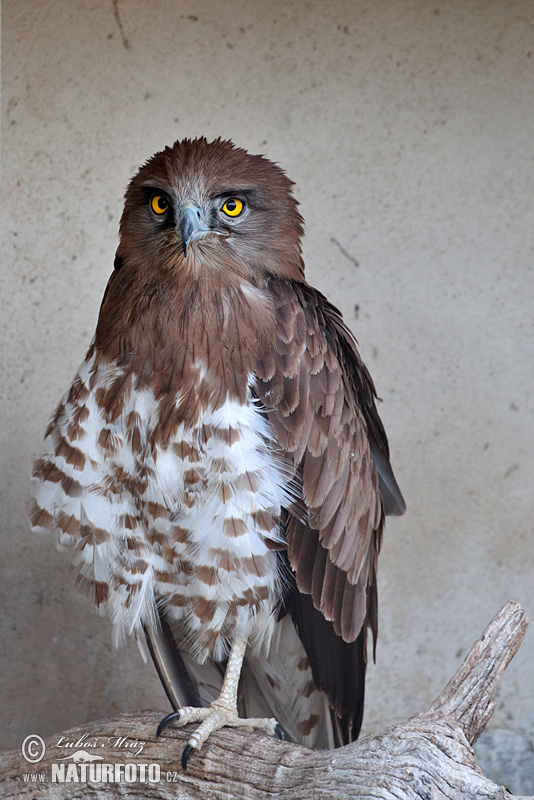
166	721
280	732
185	756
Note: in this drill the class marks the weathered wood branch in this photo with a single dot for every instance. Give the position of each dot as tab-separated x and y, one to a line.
429	756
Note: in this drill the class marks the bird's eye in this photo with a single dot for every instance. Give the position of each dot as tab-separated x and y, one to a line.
233	207
158	204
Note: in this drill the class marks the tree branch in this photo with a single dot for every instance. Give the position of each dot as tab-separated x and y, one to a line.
429	756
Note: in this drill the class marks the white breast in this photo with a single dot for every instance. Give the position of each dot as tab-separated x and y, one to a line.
231	491
187	524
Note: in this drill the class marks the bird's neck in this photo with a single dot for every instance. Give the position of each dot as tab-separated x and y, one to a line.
200	338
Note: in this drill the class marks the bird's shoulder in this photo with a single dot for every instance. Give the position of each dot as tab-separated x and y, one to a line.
318	387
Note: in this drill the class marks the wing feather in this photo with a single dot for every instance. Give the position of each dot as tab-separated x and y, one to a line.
321	405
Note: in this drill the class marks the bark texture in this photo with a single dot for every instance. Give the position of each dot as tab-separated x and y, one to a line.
429	757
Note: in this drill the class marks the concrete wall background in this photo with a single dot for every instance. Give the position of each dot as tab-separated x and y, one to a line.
409	129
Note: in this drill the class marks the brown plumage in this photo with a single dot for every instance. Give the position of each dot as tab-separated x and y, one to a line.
218	463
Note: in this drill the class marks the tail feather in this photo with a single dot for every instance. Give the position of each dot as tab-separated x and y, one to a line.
281	685
338	667
180	687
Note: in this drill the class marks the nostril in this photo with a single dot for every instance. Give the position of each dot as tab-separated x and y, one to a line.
198	214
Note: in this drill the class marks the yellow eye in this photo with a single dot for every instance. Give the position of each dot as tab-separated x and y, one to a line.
158	204
233	207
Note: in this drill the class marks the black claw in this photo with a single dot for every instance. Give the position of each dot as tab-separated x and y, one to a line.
280	732
166	721
185	756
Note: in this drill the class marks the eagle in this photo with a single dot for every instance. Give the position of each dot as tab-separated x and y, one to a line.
218	469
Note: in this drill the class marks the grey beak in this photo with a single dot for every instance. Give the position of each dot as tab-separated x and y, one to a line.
190	225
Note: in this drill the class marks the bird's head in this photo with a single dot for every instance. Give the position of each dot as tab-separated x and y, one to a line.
202	205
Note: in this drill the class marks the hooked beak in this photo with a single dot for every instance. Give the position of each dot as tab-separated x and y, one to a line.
190	224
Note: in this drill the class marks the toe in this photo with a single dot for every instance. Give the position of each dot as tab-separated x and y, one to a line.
166	721
188	749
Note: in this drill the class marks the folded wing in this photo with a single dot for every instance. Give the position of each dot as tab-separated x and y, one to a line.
321	404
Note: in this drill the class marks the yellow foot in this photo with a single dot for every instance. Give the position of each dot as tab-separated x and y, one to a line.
217	716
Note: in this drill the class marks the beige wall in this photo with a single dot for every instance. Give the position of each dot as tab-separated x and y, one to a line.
409	130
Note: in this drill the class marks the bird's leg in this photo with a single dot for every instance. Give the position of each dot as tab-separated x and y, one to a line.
222	712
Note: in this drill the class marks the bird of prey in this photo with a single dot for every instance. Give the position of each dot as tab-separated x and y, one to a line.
218	468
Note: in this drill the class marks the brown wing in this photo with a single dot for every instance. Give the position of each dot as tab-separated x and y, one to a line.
320	402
